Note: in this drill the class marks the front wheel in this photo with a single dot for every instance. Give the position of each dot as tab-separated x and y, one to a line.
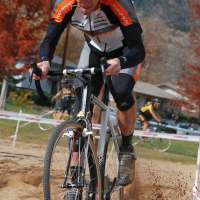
160	144
58	180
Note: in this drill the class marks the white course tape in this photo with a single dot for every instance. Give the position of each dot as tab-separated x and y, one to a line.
33	118
188	138
27	118
38	119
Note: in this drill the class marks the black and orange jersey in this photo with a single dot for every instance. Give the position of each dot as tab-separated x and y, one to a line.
114	25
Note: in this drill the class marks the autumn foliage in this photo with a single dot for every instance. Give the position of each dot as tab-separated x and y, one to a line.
21	24
190	82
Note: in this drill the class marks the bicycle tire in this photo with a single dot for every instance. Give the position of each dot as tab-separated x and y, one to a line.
159	144
48	115
53	176
109	170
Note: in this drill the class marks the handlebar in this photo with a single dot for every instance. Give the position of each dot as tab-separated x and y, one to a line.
92	70
67	71
36	70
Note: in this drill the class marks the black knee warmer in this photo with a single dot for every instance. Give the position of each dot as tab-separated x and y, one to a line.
125	103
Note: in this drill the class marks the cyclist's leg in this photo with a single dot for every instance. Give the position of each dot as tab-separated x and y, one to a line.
145	123
87	58
90	58
126	117
77	160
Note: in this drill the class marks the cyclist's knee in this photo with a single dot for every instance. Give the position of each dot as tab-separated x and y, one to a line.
125	103
121	87
145	125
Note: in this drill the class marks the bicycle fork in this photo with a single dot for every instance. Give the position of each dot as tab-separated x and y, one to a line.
80	157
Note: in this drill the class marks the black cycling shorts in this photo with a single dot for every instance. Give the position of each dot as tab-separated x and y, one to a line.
120	86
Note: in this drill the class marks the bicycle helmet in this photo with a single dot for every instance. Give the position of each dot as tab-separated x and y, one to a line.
155	100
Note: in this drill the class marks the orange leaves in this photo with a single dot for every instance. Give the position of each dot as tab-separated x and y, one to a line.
190	82
195	9
21	24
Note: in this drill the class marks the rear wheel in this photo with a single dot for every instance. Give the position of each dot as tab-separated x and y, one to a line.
58	179
109	165
111	173
159	144
46	115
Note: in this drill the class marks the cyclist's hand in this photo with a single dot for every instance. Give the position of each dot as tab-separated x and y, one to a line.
114	67
44	66
163	122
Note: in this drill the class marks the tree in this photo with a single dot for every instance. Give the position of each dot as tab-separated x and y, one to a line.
190	82
21	25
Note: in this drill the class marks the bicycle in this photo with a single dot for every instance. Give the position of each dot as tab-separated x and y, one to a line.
91	179
159	144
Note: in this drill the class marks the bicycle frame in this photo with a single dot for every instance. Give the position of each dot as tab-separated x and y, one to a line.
106	121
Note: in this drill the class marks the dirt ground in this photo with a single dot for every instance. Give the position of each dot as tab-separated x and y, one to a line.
21	176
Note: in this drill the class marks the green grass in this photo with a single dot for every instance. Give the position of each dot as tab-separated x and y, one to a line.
179	151
172	157
30	133
184	148
183	152
34	110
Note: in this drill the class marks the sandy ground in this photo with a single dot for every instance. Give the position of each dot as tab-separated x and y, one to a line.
21	176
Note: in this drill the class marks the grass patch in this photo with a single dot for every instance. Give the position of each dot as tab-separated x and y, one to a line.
184	148
34	110
30	133
143	152
179	151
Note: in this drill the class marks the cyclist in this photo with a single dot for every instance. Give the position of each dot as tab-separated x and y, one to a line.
112	30
63	108
148	112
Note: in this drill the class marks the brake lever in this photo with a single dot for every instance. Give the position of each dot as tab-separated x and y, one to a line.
104	65
35	70
30	79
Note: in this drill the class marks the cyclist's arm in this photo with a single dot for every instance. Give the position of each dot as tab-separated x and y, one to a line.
132	38
135	53
155	115
53	34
